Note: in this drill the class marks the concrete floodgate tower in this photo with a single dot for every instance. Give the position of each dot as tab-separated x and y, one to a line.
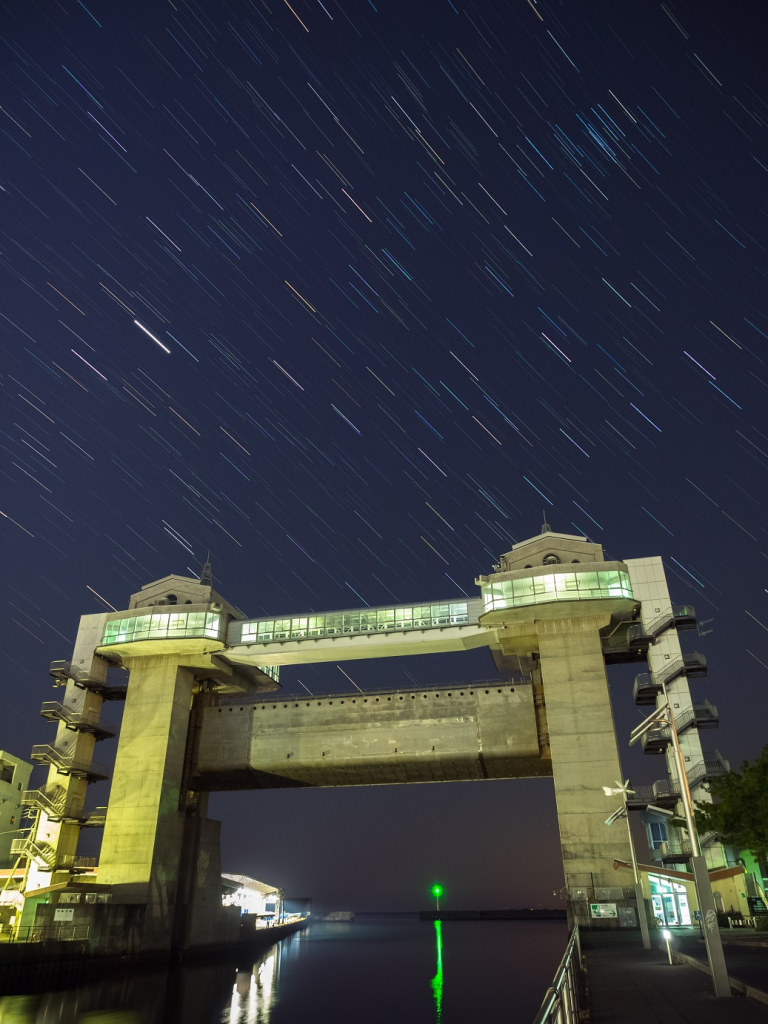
202	714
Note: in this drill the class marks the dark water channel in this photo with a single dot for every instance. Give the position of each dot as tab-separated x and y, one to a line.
397	970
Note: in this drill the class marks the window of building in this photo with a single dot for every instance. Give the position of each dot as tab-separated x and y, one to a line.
6	773
657	834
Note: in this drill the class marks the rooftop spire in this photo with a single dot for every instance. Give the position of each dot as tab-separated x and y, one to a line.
546	528
206	576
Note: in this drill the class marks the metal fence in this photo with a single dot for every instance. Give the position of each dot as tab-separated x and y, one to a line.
62	932
561	1003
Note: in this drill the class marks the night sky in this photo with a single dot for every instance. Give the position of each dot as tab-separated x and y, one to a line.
348	293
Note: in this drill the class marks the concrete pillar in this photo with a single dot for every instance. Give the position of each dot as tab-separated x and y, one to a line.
585	755
142	847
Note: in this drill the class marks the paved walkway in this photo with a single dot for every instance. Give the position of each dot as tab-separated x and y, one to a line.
630	985
745	962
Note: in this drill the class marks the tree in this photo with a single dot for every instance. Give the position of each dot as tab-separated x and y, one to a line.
740	811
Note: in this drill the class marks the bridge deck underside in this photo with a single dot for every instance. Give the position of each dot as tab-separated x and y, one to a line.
372	739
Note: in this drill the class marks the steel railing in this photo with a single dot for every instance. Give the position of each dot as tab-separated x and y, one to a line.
89	720
57	803
709	768
66	765
561	1003
62	932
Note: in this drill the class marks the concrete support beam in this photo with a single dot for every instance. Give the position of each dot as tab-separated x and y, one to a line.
478	731
585	755
141	850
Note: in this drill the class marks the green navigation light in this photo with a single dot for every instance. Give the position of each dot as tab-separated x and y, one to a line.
437	890
437	981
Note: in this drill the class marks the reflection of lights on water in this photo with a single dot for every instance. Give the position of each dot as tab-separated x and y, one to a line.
254	994
437	981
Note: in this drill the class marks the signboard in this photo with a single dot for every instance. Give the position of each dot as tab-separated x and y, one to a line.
63	913
697	915
603	909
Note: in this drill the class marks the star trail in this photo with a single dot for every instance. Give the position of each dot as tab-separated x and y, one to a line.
347	293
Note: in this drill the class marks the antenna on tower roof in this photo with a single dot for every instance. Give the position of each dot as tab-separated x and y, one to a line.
546	528
206	576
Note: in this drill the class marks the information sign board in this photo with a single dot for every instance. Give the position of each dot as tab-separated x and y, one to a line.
603	909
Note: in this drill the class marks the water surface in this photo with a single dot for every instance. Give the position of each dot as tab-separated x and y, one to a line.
375	970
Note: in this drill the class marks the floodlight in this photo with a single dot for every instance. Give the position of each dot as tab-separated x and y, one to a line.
619	813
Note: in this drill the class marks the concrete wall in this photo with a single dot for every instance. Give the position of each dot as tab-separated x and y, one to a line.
10	802
649	585
585	754
355	740
141	849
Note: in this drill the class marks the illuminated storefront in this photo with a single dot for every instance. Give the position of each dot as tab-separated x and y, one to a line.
669	900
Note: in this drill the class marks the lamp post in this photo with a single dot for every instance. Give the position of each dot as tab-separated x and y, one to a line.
717	966
623	812
437	892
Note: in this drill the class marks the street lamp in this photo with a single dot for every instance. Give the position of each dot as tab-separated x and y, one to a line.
623	812
663	715
437	892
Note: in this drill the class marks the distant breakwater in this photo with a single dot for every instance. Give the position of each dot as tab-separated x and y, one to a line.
493	915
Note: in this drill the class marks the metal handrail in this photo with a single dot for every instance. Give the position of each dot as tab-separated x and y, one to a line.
53	800
67	765
275	697
89	719
61	932
561	1003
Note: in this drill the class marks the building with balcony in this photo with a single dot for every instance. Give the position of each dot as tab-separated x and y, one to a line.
14	779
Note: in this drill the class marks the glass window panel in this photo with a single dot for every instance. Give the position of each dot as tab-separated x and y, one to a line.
587	581
211	619
522	590
385	618
112	627
351	622
195	620
441	614
403	617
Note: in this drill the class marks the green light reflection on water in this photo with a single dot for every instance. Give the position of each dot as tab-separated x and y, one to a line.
437	981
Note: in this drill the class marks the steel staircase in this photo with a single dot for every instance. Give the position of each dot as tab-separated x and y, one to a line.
63	671
649	685
84	721
46	753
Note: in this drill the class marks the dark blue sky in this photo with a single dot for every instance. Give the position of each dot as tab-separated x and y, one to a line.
347	292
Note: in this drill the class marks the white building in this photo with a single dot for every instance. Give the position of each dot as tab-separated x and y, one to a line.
253	897
14	779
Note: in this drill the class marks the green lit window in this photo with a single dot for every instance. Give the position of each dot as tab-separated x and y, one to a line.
404	618
161	626
556	587
440	614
